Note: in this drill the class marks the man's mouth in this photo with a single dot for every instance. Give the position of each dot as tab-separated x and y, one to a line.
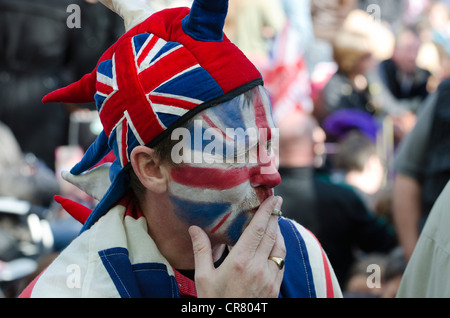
263	194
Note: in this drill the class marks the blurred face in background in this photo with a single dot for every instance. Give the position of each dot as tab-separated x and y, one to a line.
406	51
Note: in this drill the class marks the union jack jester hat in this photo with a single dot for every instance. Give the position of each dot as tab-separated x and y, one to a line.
166	68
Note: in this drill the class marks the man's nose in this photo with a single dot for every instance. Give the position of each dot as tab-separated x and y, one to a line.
265	173
265	179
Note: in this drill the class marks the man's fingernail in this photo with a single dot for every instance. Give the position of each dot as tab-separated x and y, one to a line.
193	232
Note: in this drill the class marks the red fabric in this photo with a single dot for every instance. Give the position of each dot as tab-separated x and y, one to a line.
160	72
111	111
78	211
328	281
133	210
124	142
230	72
146	50
186	285
26	293
80	92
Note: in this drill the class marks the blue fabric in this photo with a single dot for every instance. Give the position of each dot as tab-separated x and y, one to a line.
131	141
96	152
187	85
149	280
298	280
169	46
167	119
99	100
139	40
105	68
206	20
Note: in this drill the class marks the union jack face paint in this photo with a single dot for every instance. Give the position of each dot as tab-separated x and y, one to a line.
227	165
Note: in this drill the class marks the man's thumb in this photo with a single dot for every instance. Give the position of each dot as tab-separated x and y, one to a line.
202	249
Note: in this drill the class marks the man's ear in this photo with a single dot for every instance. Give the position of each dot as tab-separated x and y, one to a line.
147	167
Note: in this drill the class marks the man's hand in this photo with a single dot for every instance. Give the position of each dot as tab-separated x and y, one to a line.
247	270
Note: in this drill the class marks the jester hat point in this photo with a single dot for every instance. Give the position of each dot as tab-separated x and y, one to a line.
165	69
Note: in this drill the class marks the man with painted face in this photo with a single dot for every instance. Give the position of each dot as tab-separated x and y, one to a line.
188	208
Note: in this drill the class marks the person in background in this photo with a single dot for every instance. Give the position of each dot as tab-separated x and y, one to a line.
404	84
359	166
348	88
335	214
421	167
252	25
426	274
420	162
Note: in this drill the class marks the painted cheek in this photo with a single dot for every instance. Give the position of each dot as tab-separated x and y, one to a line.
207	197
235	230
197	213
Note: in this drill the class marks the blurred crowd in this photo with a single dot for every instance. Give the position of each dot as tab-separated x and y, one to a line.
358	90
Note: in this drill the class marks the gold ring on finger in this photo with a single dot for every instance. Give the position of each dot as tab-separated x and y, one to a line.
278	260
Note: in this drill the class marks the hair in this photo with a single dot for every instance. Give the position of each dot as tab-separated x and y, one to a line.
349	48
354	152
162	152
